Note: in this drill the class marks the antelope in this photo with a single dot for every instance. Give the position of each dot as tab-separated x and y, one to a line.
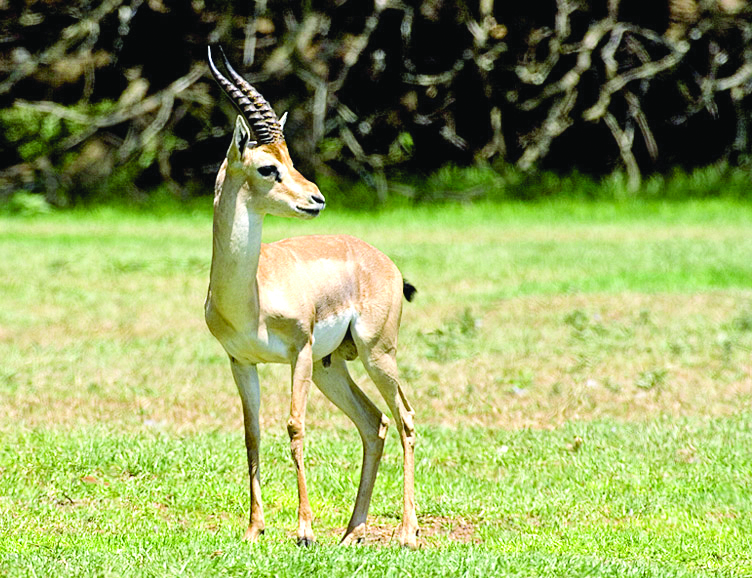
314	302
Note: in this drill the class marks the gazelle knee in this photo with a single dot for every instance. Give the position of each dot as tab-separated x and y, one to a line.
373	438
408	423
408	427
383	427
295	429
405	401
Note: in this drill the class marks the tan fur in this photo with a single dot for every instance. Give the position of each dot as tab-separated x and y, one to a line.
299	301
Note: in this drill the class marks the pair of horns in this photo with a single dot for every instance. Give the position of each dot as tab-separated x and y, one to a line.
254	108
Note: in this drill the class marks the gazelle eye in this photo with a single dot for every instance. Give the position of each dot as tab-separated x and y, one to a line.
268	171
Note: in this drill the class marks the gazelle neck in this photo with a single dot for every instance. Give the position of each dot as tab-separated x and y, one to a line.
233	287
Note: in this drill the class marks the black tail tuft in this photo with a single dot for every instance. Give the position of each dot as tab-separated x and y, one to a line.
408	290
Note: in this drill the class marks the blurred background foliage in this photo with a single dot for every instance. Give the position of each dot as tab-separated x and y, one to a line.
110	100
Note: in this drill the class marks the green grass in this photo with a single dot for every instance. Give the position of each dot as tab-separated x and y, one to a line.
668	499
581	375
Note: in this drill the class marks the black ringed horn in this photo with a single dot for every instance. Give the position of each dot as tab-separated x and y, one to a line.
254	108
236	96
262	106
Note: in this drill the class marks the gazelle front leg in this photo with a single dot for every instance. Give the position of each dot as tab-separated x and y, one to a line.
302	370
246	378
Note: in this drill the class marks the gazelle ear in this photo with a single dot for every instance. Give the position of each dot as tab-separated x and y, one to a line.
241	138
282	121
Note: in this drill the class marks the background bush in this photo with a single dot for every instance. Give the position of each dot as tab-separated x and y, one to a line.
111	100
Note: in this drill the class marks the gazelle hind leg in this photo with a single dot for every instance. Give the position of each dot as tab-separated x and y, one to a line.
336	384
383	371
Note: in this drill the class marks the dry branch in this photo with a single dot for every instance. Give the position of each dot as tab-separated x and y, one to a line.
374	85
122	114
630	59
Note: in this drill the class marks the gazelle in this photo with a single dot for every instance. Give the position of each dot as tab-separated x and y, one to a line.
314	302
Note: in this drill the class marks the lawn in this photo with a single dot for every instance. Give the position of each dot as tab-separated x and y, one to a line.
581	375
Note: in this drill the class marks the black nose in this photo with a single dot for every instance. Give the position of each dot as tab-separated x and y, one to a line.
318	199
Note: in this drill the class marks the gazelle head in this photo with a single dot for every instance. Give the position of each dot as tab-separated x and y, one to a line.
273	185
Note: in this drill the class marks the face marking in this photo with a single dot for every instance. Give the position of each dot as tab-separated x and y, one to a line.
270	171
272	184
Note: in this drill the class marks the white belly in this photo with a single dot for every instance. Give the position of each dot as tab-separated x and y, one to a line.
328	333
263	346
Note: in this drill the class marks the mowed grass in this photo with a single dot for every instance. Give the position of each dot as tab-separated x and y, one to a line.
580	373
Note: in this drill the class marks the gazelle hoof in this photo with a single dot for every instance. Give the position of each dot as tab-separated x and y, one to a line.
306	542
409	538
252	534
354	536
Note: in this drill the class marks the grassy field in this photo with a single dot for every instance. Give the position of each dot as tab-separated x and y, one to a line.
581	373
